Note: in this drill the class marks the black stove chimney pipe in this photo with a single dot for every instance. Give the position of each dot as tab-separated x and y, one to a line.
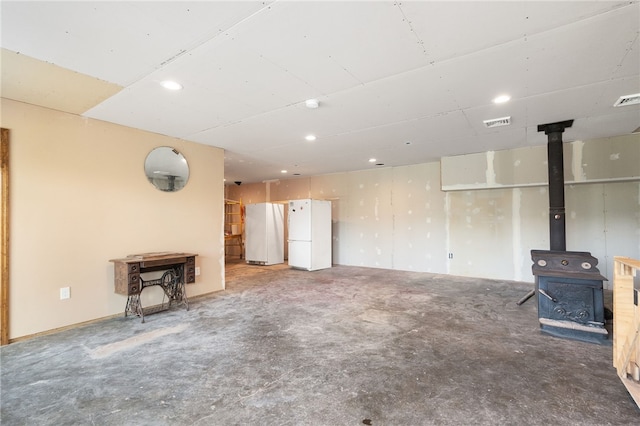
555	160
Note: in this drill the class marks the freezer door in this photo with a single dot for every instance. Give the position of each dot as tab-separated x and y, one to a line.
275	234
255	233
300	220
300	254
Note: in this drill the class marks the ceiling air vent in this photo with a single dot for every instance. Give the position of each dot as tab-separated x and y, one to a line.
497	122
628	100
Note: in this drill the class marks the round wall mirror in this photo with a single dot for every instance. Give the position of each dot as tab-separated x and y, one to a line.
167	169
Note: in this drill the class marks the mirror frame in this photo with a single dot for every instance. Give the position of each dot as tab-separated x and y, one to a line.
167	169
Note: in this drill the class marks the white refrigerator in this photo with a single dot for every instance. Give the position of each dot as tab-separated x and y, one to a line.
264	233
309	234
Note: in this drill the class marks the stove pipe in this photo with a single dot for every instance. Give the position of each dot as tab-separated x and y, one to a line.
555	161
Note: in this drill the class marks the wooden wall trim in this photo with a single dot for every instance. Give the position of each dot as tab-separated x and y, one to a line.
4	257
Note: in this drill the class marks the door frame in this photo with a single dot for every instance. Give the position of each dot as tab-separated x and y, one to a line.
4	244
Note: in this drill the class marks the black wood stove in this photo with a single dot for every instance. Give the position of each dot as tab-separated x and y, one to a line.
568	284
570	295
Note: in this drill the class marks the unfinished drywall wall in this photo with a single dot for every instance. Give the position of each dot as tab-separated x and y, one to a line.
493	231
604	219
289	189
369	220
331	187
419	237
601	160
248	194
480	229
399	217
387	218
601	200
80	197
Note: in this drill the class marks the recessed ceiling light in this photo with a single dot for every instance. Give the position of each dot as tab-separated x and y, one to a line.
501	99
372	160
312	103
171	85
310	138
283	171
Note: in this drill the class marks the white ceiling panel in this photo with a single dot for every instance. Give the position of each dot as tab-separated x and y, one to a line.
227	66
629	65
582	53
611	90
604	126
389	101
478	78
543	63
146	105
406	96
97	35
452	29
385	73
360	37
574	103
423	134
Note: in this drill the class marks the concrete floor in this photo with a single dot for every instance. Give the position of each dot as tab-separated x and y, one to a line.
342	346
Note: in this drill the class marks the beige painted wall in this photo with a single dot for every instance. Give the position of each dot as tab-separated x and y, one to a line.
79	197
399	218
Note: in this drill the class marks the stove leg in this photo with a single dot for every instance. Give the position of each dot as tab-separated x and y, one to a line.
526	297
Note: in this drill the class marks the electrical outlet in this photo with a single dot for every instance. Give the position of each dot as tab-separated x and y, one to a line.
450	255
65	293
197	271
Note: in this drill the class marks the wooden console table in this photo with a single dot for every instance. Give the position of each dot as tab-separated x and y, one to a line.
180	269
